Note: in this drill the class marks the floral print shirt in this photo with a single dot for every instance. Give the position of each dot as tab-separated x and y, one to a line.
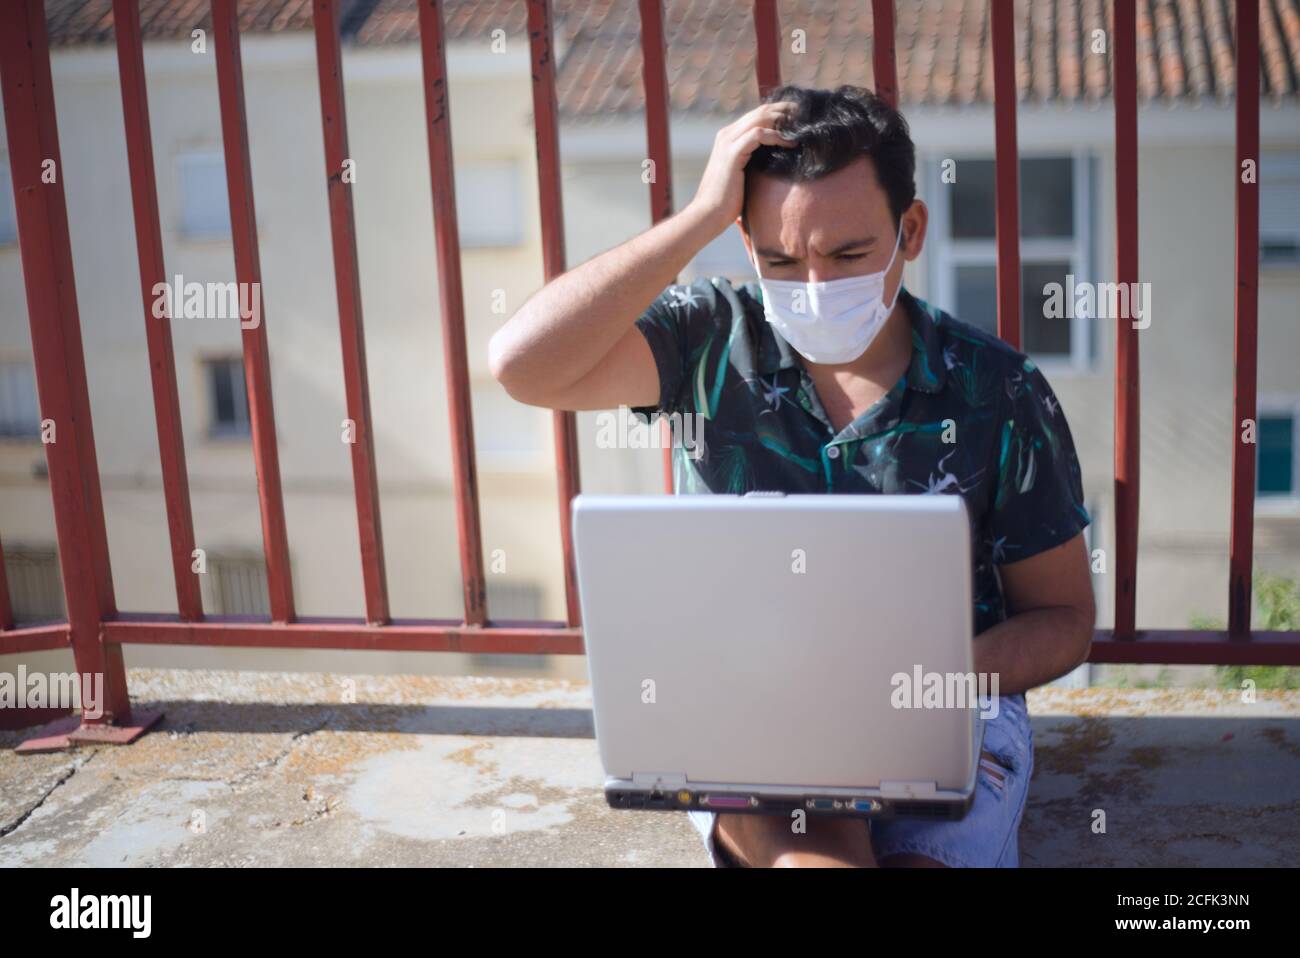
970	416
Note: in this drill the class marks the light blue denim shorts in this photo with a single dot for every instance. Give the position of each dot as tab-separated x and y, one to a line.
988	836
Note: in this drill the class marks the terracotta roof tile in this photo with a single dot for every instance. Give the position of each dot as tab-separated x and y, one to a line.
91	21
1185	47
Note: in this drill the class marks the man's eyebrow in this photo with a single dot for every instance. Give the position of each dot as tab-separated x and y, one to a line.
851	244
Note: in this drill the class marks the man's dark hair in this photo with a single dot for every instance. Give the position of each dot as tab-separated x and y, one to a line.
832	128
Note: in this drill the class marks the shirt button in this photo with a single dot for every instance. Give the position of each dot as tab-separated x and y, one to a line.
832	452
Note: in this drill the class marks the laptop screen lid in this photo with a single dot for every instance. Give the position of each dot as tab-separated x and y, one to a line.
770	639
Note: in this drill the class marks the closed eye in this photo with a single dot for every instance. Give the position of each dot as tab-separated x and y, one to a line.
776	263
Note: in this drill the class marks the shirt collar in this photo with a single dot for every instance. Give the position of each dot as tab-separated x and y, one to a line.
927	372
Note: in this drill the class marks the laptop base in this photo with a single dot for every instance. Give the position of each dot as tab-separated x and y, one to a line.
950	806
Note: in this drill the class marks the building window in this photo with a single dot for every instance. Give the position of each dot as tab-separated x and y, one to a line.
35	586
512	600
489	206
20	416
1276	463
204	209
236	585
1279	209
1055	244
8	216
227	399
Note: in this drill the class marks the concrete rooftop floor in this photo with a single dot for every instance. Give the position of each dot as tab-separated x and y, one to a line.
282	769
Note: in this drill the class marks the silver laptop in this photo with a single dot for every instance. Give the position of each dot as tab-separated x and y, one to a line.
747	653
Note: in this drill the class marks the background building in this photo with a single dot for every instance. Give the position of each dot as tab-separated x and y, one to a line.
1187	176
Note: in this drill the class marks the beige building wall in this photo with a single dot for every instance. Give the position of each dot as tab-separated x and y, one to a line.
1187	165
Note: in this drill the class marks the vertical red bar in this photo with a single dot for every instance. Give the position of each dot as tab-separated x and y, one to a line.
158	333
1007	161
1127	394
1246	344
347	281
654	76
654	73
546	120
36	167
883	59
767	32
437	109
248	271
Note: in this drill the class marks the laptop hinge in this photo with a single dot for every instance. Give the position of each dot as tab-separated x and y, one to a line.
667	780
909	789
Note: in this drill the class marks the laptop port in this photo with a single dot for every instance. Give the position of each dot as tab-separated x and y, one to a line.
728	801
922	810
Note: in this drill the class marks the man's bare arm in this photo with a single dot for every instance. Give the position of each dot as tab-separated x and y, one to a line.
1051	615
574	343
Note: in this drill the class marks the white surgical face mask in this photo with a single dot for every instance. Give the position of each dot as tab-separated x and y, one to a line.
831	322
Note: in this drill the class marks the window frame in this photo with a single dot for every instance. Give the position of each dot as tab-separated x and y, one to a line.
1286	163
213	430
186	157
33	437
45	557
517	234
1279	503
216	599
947	254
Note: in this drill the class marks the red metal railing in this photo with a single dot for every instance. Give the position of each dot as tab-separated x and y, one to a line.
437	108
347	277
158	335
1246	339
96	631
1126	345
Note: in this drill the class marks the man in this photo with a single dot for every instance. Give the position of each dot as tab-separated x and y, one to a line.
827	376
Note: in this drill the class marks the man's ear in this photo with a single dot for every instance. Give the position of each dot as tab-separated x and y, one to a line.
914	223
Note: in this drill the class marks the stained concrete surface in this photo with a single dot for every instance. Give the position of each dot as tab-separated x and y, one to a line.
254	769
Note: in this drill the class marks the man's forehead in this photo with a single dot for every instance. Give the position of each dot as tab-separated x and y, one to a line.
826	230
845	204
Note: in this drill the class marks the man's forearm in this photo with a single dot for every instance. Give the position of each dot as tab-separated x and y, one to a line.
1033	647
571	323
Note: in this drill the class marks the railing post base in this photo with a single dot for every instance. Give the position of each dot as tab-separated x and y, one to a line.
71	731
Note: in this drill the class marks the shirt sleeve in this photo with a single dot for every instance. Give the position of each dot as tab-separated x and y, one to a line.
1038	500
673	326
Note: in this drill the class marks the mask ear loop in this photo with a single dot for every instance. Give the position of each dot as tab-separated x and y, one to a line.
762	293
894	255
753	261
